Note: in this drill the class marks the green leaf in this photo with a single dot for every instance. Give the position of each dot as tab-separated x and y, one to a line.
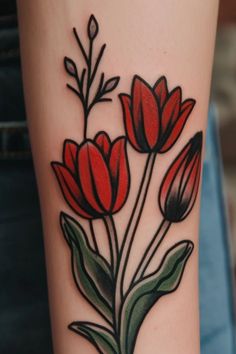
92	273
149	290
101	337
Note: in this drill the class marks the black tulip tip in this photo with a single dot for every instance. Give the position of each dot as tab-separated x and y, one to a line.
63	217
196	141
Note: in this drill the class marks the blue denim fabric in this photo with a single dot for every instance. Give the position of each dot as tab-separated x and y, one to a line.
216	299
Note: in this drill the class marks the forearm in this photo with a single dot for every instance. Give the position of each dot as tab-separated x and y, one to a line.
138	209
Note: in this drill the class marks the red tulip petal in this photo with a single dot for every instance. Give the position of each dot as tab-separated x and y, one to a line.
145	113
171	110
161	90
195	183
186	183
119	170
189	189
187	108
94	177
70	152
70	189
170	183
128	121
103	141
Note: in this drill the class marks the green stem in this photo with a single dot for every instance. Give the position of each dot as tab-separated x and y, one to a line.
151	250
131	230
113	241
95	245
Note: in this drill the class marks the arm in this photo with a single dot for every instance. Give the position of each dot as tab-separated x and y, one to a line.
121	207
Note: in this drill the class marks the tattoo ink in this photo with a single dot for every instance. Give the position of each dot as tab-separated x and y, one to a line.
94	178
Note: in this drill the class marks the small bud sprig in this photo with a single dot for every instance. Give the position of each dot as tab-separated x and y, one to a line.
84	78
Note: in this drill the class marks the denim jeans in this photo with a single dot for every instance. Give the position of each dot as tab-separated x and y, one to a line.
216	290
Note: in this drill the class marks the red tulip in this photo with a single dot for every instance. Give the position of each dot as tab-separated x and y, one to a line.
179	187
94	176
154	117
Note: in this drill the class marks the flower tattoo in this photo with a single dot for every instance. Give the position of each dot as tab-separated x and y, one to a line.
94	176
154	118
95	179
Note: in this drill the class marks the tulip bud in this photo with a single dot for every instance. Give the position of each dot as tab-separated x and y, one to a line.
179	187
70	67
111	84
92	27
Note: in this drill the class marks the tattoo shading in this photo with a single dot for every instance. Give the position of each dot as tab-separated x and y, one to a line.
94	178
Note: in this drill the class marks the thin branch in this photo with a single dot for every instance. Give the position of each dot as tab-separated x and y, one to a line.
74	90
105	99
82	78
99	100
80	44
100	85
77	79
97	95
97	63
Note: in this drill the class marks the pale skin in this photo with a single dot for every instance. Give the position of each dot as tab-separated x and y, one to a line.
174	38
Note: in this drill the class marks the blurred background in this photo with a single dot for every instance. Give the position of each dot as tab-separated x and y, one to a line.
224	96
24	317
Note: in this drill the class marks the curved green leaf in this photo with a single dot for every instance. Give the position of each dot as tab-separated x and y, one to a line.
148	291
101	337
91	271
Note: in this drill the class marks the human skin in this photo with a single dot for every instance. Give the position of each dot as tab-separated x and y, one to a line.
149	39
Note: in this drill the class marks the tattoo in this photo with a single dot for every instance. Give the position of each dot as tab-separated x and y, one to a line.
94	178
88	74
